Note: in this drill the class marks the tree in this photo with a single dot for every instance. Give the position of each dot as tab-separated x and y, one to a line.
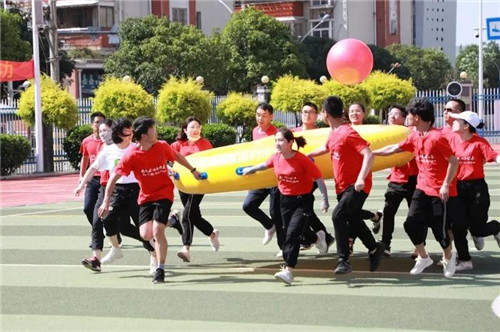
383	61
430	68
290	93
348	93
259	45
313	52
153	49
13	47
388	89
181	98
58	108
467	60
118	98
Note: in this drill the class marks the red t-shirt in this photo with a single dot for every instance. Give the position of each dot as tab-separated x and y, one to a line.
104	178
186	148
257	134
345	145
472	154
401	174
89	148
431	154
295	175
150	170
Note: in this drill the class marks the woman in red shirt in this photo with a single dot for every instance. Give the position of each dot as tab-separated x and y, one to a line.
189	141
472	152
295	174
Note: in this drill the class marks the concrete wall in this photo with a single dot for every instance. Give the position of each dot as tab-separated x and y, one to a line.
213	14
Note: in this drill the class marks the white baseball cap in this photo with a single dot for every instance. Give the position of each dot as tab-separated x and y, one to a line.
468	116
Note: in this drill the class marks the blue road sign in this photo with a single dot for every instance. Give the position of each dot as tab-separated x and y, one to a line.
493	28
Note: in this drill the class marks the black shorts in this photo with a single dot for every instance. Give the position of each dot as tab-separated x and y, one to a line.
157	210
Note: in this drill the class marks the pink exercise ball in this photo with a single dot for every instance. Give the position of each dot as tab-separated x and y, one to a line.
349	61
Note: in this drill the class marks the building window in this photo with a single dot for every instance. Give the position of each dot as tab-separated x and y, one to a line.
198	20
179	15
107	17
318	3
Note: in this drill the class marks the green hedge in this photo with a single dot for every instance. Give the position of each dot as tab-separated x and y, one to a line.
167	133
219	134
15	150
72	142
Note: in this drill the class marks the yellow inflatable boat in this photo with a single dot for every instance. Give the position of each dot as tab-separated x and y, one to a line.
222	165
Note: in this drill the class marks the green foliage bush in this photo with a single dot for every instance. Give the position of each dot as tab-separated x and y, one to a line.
348	93
388	89
180	98
371	119
59	107
72	142
15	150
290	93
117	98
219	134
237	110
167	133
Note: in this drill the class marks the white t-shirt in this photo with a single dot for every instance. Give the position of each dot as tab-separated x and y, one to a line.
109	157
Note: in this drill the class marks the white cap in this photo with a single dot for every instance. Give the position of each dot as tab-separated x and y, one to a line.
468	116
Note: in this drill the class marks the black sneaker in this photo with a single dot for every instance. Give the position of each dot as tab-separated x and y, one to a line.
376	256
329	241
159	276
175	221
92	263
343	267
376	222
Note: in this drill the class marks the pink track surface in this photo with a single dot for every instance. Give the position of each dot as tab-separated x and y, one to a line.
38	190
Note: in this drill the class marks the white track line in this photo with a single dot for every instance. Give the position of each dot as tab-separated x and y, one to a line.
39	212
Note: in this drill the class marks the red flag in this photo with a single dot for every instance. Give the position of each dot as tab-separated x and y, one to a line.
16	71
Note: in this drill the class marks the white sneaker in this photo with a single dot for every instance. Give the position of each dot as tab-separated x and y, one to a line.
113	255
464	265
497	237
214	242
280	253
450	266
152	265
478	242
421	264
285	276
268	235
184	255
321	242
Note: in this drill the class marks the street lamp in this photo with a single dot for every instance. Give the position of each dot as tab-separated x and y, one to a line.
323	19
323	79
199	79
463	75
263	92
225	6
393	66
11	92
127	79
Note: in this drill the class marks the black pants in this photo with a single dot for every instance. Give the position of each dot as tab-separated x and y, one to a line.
474	203
123	207
295	211
347	215
314	224
394	195
97	226
90	199
429	211
251	206
191	217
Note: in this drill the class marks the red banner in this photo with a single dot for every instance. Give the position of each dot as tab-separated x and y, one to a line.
16	71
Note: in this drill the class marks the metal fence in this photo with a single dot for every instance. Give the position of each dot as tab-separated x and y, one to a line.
11	123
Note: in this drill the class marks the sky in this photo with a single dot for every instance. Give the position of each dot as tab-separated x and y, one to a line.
468	19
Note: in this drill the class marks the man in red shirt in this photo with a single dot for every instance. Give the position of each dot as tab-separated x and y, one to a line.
90	147
352	160
251	205
148	161
453	106
402	183
436	192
